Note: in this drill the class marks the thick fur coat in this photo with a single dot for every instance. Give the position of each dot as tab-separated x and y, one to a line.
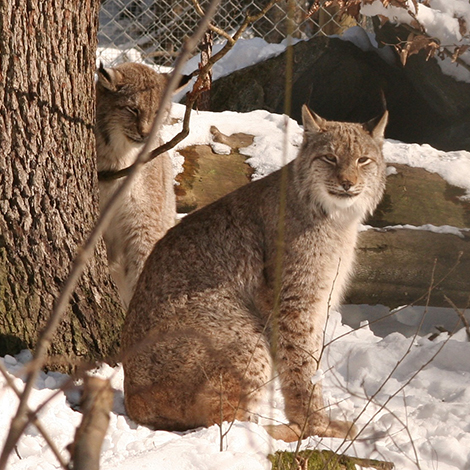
240	290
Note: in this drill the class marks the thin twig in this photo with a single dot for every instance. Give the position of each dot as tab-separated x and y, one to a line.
400	389
461	315
408	350
19	421
34	419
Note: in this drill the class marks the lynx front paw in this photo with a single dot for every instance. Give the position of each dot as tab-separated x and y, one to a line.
293	432
341	429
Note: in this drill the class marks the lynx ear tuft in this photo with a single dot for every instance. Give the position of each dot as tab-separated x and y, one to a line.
108	78
311	121
376	127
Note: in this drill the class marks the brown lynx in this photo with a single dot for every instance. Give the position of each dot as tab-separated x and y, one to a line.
127	99
198	340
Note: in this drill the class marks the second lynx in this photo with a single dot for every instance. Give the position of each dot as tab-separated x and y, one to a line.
127	99
209	321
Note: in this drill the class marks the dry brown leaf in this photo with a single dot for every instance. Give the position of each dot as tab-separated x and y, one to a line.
458	51
353	10
316	5
383	19
416	43
348	7
432	48
396	3
462	26
403	54
415	23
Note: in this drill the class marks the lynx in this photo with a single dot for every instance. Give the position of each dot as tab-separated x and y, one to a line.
207	327
127	99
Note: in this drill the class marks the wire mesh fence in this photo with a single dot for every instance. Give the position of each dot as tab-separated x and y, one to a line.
154	30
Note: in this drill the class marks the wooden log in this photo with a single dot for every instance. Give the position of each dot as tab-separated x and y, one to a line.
398	266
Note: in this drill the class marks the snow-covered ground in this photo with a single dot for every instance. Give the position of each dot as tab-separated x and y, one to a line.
413	410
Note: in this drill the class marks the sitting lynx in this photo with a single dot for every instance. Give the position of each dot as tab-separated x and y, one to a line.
199	340
127	99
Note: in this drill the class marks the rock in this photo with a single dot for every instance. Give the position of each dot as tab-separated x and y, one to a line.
339	81
207	176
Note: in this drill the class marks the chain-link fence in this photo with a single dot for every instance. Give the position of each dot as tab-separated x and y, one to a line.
153	30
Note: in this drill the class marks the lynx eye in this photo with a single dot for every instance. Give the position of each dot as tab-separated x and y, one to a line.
363	160
331	159
132	110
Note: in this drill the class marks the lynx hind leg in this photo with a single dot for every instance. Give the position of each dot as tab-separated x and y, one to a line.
187	380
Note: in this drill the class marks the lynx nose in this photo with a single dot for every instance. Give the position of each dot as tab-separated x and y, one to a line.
144	129
346	184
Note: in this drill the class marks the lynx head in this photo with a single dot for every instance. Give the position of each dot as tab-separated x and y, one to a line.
340	167
127	99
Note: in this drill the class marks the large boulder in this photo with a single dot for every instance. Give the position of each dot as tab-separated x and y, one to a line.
339	81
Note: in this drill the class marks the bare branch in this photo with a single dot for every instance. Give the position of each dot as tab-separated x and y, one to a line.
97	402
399	389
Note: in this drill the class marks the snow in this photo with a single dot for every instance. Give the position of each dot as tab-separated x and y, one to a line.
411	407
410	395
459	232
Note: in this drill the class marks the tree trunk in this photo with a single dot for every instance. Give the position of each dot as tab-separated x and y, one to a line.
48	182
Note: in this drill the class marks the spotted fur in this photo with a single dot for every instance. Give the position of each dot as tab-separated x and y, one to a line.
203	337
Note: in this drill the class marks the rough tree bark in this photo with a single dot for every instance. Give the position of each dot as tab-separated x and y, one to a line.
48	182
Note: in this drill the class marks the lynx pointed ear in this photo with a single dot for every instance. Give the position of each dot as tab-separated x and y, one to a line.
108	78
376	127
311	121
